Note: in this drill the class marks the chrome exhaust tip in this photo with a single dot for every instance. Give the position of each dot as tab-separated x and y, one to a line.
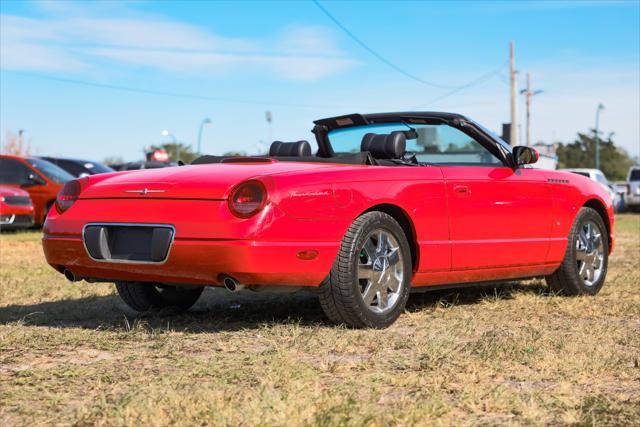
231	284
68	274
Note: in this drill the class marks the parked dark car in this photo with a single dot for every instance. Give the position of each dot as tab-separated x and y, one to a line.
78	167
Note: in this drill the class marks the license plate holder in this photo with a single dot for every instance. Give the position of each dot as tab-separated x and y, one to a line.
131	243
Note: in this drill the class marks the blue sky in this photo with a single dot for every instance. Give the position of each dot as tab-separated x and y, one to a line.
289	58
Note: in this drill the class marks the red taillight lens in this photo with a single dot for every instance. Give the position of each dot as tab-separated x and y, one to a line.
247	199
68	195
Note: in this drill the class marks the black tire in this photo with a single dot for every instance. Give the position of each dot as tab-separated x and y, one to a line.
567	280
144	296
341	295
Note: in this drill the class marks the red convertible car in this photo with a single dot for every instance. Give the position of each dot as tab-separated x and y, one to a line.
390	203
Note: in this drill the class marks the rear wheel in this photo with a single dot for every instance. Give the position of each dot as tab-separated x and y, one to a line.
584	267
368	285
142	296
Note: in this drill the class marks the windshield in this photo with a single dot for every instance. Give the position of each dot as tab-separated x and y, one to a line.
431	143
50	170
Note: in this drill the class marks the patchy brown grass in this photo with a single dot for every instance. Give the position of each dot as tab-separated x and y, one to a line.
73	353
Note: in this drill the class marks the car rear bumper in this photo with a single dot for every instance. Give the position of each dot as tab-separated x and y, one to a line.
201	262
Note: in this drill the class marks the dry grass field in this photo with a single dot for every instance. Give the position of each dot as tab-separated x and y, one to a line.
515	354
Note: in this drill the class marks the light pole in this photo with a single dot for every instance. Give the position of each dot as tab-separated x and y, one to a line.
206	121
175	142
600	108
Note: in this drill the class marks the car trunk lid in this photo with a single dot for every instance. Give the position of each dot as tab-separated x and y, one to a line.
210	182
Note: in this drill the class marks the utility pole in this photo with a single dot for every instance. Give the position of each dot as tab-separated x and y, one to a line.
600	108
528	93
513	135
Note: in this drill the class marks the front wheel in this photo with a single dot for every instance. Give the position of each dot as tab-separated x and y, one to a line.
142	296
584	267
368	285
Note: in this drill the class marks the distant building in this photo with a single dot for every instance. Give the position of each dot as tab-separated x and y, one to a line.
546	149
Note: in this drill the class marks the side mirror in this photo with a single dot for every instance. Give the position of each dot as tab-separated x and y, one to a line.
525	155
34	179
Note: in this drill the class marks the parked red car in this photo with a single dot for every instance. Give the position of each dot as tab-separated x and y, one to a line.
41	179
16	209
390	203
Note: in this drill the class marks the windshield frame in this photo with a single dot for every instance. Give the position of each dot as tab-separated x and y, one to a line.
487	139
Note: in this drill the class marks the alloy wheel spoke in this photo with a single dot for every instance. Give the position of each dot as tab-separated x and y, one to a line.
589	273
369	292
383	243
394	281
370	249
582	268
581	255
393	257
365	271
383	297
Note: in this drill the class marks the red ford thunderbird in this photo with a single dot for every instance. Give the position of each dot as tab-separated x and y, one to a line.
390	203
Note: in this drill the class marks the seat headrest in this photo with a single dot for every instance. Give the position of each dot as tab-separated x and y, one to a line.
290	149
384	146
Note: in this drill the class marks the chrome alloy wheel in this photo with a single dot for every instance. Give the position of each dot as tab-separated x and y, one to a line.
589	253
380	271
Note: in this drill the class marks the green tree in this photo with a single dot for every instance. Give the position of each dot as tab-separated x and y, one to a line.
176	152
614	161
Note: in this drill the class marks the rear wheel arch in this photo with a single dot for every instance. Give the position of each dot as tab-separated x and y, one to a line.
599	207
402	217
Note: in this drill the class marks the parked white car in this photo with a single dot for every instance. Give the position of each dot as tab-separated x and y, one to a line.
597	176
632	198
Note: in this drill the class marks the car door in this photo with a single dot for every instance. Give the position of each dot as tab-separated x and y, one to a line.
498	216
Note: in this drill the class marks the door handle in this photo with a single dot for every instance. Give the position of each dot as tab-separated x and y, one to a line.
461	190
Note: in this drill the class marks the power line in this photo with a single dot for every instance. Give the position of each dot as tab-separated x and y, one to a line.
376	54
483	78
455	89
163	93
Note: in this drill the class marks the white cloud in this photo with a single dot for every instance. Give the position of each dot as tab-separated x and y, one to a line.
80	43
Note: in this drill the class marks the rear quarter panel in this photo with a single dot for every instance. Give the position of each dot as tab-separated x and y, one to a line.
329	200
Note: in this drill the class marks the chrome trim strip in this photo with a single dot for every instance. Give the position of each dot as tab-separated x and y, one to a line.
129	224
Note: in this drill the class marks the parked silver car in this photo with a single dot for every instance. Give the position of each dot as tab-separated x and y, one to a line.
632	199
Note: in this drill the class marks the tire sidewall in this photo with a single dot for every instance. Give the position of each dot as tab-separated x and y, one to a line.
388	224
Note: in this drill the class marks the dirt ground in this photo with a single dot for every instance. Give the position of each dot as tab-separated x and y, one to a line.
73	353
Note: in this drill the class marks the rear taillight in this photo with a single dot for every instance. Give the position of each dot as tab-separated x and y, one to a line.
247	199
69	194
